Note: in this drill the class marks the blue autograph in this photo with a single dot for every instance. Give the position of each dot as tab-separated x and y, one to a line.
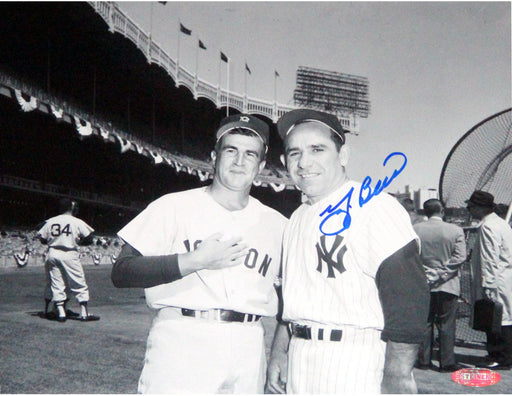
366	193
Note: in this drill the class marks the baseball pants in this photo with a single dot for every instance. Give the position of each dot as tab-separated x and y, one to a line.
48	285
194	355
62	264
352	365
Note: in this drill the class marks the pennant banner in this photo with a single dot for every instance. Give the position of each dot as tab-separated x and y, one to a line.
125	146
203	176
278	187
25	105
22	259
58	113
139	148
104	133
83	130
156	157
179	162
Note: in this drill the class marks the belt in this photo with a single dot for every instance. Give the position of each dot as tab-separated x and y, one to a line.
221	315
307	333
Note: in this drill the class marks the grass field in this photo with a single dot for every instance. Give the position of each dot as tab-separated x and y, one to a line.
42	356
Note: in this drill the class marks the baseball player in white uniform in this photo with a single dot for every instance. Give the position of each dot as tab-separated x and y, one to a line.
64	234
208	259
355	294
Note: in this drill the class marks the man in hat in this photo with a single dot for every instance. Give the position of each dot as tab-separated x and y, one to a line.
491	262
354	291
208	259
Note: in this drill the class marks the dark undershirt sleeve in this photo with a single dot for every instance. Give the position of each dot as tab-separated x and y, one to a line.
131	269
87	241
404	295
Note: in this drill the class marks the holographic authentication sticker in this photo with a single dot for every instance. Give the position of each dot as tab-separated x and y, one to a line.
476	377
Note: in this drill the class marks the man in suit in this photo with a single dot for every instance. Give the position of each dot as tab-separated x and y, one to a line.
443	251
492	274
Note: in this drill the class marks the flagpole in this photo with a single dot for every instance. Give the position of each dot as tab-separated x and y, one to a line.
275	87
197	56
178	55
227	102
245	78
220	75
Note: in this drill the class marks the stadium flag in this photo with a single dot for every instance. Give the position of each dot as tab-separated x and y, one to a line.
276	74
224	58
201	45
188	32
184	30
247	70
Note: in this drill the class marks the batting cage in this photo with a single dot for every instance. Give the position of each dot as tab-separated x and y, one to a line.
480	160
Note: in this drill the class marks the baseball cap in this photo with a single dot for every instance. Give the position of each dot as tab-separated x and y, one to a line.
481	198
290	119
244	121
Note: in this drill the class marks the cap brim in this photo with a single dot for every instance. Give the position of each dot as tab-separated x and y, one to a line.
294	117
222	131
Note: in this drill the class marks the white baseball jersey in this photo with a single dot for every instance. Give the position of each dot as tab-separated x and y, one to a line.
64	231
330	279
329	283
336	273
177	222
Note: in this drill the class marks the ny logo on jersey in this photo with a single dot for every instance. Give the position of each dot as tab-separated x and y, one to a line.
327	256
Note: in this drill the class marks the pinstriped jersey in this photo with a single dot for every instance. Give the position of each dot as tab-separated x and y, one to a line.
330	279
176	223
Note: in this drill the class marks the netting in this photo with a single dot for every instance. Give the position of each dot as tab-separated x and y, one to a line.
465	335
481	160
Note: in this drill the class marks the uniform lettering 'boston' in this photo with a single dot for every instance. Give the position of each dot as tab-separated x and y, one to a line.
251	259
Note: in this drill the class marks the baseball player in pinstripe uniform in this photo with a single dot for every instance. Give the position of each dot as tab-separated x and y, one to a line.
355	294
208	259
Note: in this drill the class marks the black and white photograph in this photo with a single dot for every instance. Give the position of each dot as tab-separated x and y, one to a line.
255	197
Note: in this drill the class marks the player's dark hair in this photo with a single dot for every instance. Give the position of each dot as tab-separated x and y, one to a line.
67	204
244	132
432	206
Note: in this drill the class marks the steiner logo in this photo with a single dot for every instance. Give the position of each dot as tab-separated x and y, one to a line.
476	377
